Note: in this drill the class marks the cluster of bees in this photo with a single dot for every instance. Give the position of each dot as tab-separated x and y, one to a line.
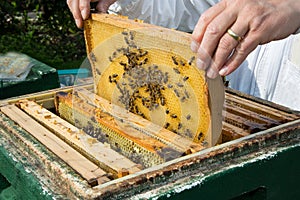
143	83
93	129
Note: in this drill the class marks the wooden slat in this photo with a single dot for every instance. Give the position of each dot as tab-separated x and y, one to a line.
231	132
114	24
166	136
132	142
74	159
260	108
244	123
254	116
99	153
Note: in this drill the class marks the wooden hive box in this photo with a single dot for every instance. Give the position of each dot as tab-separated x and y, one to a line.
54	158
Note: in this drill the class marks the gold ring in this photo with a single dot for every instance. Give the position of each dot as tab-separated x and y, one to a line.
234	35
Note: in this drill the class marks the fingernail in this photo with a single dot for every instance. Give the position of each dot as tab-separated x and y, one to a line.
194	46
200	64
78	23
223	71
84	14
211	73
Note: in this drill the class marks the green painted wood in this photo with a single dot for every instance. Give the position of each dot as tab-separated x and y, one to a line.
269	169
41	77
3	183
23	184
274	177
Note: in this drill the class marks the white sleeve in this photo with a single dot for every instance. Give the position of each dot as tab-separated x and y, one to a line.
177	14
271	72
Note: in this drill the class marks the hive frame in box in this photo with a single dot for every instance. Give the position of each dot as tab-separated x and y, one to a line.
126	49
178	178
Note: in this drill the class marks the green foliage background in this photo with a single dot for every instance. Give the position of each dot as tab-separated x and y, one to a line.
42	29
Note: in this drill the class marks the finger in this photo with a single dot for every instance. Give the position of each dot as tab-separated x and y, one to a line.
214	31
84	7
246	46
203	22
74	7
103	5
226	46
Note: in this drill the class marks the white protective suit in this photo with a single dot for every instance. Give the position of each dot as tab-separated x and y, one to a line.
270	72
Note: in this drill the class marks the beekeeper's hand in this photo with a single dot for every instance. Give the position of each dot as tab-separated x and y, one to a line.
227	32
81	9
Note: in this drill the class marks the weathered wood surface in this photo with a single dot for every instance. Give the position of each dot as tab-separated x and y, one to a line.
99	153
73	158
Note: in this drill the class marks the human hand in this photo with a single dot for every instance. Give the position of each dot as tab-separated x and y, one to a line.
254	22
81	9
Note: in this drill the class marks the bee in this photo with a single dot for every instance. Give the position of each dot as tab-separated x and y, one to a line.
200	135
167	111
167	125
183	99
142	115
170	86
143	53
176	71
177	93
93	119
131	35
186	94
188	133
145	61
119	87
162	101
112	79
188	117
174	116
126	40
124	65
122	49
179	84
93	57
132	85
179	126
110	59
226	83
182	63
115	75
98	71
191	60
125	33
133	46
174	60
185	78
165	79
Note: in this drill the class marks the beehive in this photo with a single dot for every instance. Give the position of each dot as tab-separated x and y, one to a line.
78	145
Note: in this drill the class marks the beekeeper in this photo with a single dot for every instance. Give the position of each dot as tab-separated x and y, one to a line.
240	39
